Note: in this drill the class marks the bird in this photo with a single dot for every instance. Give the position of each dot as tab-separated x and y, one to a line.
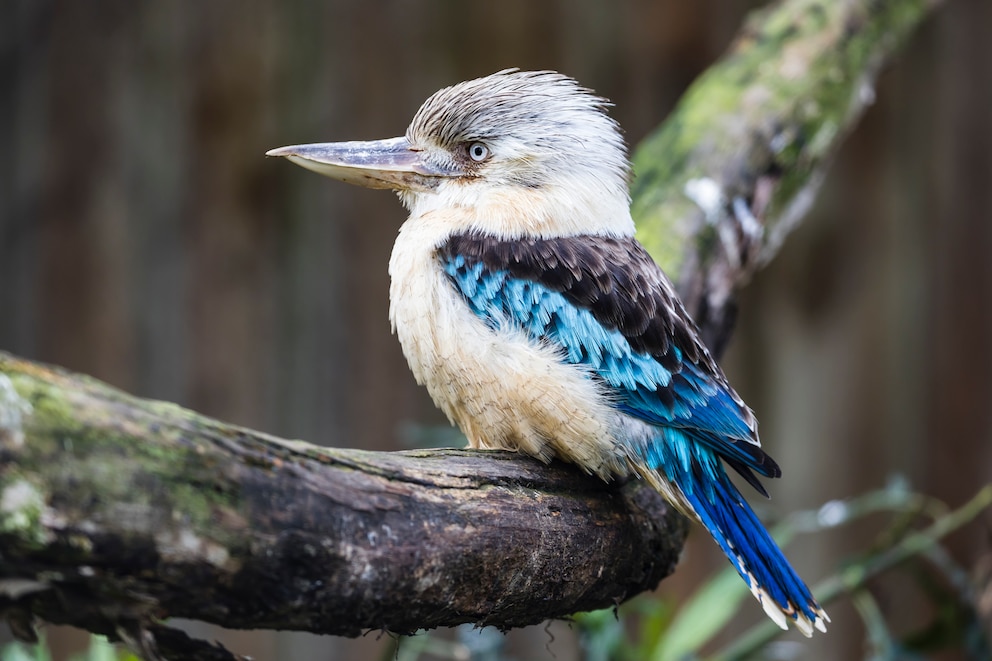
539	324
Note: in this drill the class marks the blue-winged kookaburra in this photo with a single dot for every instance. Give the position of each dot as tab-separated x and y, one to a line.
539	324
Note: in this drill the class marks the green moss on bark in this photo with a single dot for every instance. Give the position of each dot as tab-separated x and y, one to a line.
771	111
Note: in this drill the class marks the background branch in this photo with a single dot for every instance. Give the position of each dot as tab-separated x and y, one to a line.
739	162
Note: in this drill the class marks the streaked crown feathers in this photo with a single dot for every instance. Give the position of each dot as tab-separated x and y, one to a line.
540	124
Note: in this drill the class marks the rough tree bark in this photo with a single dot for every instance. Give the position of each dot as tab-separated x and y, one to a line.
116	513
733	170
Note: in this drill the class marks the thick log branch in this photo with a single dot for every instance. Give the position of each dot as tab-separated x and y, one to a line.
115	511
149	510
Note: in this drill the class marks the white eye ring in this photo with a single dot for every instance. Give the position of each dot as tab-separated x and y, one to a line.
478	151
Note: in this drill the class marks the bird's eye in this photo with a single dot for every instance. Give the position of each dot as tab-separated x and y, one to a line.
478	152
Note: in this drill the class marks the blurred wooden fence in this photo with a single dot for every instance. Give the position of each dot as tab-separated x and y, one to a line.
145	240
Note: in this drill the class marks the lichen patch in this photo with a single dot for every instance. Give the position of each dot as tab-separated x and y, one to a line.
13	410
21	508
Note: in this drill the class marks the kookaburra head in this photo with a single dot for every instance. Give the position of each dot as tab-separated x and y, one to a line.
515	147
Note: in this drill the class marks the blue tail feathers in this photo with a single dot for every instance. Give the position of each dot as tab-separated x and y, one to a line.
703	485
759	561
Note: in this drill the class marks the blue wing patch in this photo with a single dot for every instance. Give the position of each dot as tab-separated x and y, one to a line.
684	398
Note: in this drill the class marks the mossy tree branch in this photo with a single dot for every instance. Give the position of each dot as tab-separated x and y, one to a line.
739	162
117	512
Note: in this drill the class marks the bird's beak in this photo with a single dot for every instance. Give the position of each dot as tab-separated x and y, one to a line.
389	163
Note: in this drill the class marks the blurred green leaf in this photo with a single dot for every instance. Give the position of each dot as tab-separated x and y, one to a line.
20	652
100	649
702	617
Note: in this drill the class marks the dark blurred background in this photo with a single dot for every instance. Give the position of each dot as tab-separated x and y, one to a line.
145	240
